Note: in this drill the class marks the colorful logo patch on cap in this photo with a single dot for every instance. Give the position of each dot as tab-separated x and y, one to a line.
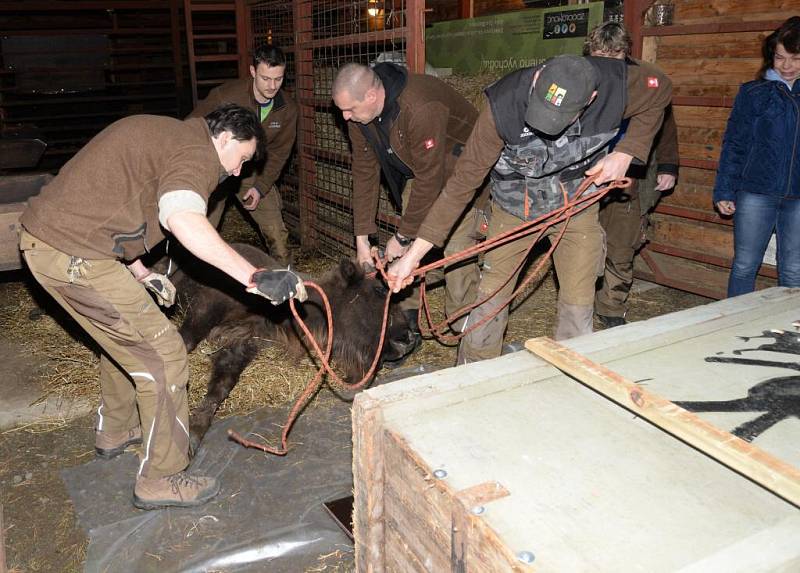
430	144
555	95
652	82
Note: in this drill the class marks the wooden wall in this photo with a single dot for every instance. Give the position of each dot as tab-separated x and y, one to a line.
68	69
708	52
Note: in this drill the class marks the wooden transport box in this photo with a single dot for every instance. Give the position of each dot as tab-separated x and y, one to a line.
15	190
511	465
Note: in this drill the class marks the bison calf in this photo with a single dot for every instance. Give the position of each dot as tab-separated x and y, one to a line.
218	308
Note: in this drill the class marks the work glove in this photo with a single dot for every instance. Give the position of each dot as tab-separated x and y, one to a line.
278	285
160	286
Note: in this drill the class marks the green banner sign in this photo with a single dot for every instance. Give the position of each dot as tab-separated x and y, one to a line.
510	41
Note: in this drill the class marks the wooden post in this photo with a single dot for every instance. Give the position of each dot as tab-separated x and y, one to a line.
633	15
749	460
466	9
2	542
368	484
187	12
242	12
415	38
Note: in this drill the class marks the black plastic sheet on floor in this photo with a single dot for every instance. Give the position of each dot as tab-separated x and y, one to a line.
269	515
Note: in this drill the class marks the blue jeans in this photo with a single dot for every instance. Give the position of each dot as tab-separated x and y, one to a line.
755	218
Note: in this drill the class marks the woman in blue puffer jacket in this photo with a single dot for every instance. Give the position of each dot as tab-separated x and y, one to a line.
758	179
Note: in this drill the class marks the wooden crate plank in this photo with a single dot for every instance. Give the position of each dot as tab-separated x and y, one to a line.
433	518
399	556
751	461
368	480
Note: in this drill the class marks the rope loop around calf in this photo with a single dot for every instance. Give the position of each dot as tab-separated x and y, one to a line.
538	225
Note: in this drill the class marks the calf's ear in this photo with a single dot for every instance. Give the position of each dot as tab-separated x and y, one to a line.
351	272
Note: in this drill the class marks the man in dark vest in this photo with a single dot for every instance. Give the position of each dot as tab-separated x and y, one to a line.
261	93
544	127
412	128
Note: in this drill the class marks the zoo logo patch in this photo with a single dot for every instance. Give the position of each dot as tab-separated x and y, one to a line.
652	82
430	143
555	95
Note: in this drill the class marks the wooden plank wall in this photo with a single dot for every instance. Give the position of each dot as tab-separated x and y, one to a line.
708	52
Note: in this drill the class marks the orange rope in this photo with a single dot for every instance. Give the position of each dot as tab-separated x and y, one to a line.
538	225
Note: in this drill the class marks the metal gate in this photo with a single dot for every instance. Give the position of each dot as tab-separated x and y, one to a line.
319	36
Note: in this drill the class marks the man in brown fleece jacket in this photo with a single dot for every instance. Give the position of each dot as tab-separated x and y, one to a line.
624	215
411	128
543	128
83	238
277	112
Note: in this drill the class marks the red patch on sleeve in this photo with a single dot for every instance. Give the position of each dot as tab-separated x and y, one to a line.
430	144
652	82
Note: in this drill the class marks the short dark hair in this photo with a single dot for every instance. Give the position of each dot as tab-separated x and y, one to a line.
240	121
788	35
270	55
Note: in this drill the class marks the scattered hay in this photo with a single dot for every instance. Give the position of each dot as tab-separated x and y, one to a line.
471	87
72	365
338	561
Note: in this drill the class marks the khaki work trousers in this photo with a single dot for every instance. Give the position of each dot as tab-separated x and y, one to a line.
267	216
143	366
578	260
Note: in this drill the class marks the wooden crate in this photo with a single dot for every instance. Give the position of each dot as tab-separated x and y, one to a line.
15	190
511	465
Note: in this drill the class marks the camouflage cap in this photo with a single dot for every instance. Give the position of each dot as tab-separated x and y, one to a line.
563	88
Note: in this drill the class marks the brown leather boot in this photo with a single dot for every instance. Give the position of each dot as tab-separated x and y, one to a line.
109	445
176	490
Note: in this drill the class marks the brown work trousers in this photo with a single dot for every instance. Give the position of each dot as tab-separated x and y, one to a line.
578	261
625	216
267	216
143	365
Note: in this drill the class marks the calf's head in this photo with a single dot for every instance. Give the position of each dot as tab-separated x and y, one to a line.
357	305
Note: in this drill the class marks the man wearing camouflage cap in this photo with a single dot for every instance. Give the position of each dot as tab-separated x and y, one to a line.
544	127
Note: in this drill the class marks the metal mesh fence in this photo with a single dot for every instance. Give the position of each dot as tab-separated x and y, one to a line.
271	22
324	35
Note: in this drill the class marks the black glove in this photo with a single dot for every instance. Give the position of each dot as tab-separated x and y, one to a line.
278	286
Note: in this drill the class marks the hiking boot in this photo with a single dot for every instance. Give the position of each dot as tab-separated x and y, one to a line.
176	490
611	321
109	445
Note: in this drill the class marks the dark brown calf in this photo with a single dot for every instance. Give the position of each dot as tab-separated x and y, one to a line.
219	308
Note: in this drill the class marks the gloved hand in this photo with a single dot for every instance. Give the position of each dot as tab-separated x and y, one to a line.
278	285
160	286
